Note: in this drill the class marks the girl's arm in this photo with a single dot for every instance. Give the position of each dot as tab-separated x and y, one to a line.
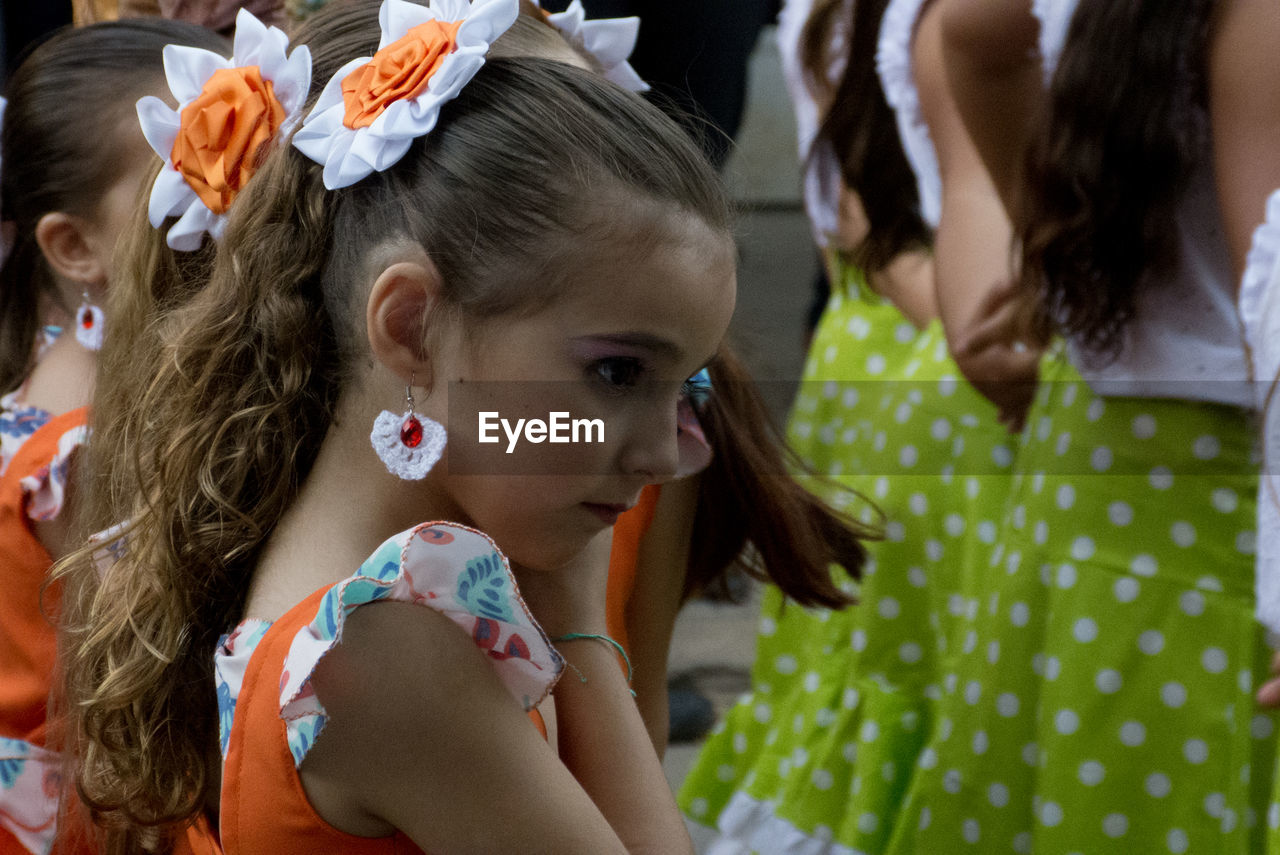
1244	106
991	58
422	737
451	749
907	282
1244	102
973	243
656	599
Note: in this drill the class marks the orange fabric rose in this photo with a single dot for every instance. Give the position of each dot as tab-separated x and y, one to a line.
400	70
224	134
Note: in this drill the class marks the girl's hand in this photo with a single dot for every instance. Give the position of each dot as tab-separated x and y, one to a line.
1269	695
570	598
1000	354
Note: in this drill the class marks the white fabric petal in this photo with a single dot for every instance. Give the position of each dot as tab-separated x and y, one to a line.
293	82
569	21
611	40
315	137
339	170
170	196
488	20
188	69
331	96
188	233
398	17
453	10
399	120
248	45
462	66
159	123
218	228
625	76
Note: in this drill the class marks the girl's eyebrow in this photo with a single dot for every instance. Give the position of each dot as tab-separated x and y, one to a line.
647	341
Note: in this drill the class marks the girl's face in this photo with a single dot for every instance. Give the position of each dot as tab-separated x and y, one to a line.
610	353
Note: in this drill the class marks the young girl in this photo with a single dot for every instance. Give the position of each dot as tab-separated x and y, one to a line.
1119	716
73	165
1243	100
819	755
444	244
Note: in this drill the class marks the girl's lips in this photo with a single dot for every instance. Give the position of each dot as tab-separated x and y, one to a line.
607	513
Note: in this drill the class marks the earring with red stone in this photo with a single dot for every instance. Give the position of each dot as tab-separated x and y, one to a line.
89	325
409	444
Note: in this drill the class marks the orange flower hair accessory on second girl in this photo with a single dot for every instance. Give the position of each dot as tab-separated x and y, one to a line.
229	112
375	107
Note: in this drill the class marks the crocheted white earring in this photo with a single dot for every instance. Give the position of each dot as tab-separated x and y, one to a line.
89	325
409	444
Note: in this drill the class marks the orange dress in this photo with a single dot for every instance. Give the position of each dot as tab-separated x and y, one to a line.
35	453
270	716
260	784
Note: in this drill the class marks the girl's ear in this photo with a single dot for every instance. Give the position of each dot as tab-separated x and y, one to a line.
404	296
64	240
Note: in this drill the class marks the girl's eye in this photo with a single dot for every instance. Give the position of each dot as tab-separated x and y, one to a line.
618	372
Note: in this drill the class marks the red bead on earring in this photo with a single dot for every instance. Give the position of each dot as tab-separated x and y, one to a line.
411	431
89	326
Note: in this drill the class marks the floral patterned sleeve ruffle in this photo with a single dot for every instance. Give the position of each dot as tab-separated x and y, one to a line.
453	569
17	423
29	787
45	489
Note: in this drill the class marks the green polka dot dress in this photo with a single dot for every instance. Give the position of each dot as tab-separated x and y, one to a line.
818	755
1100	698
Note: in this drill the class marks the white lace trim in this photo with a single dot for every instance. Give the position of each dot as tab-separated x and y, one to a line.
1260	313
893	63
1055	19
748	826
1260	268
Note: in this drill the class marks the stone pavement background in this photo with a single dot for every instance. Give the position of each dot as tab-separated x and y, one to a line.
715	642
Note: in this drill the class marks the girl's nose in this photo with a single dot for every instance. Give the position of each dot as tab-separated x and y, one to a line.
652	451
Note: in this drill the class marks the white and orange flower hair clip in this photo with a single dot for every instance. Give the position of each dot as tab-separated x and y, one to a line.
230	111
375	107
609	40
